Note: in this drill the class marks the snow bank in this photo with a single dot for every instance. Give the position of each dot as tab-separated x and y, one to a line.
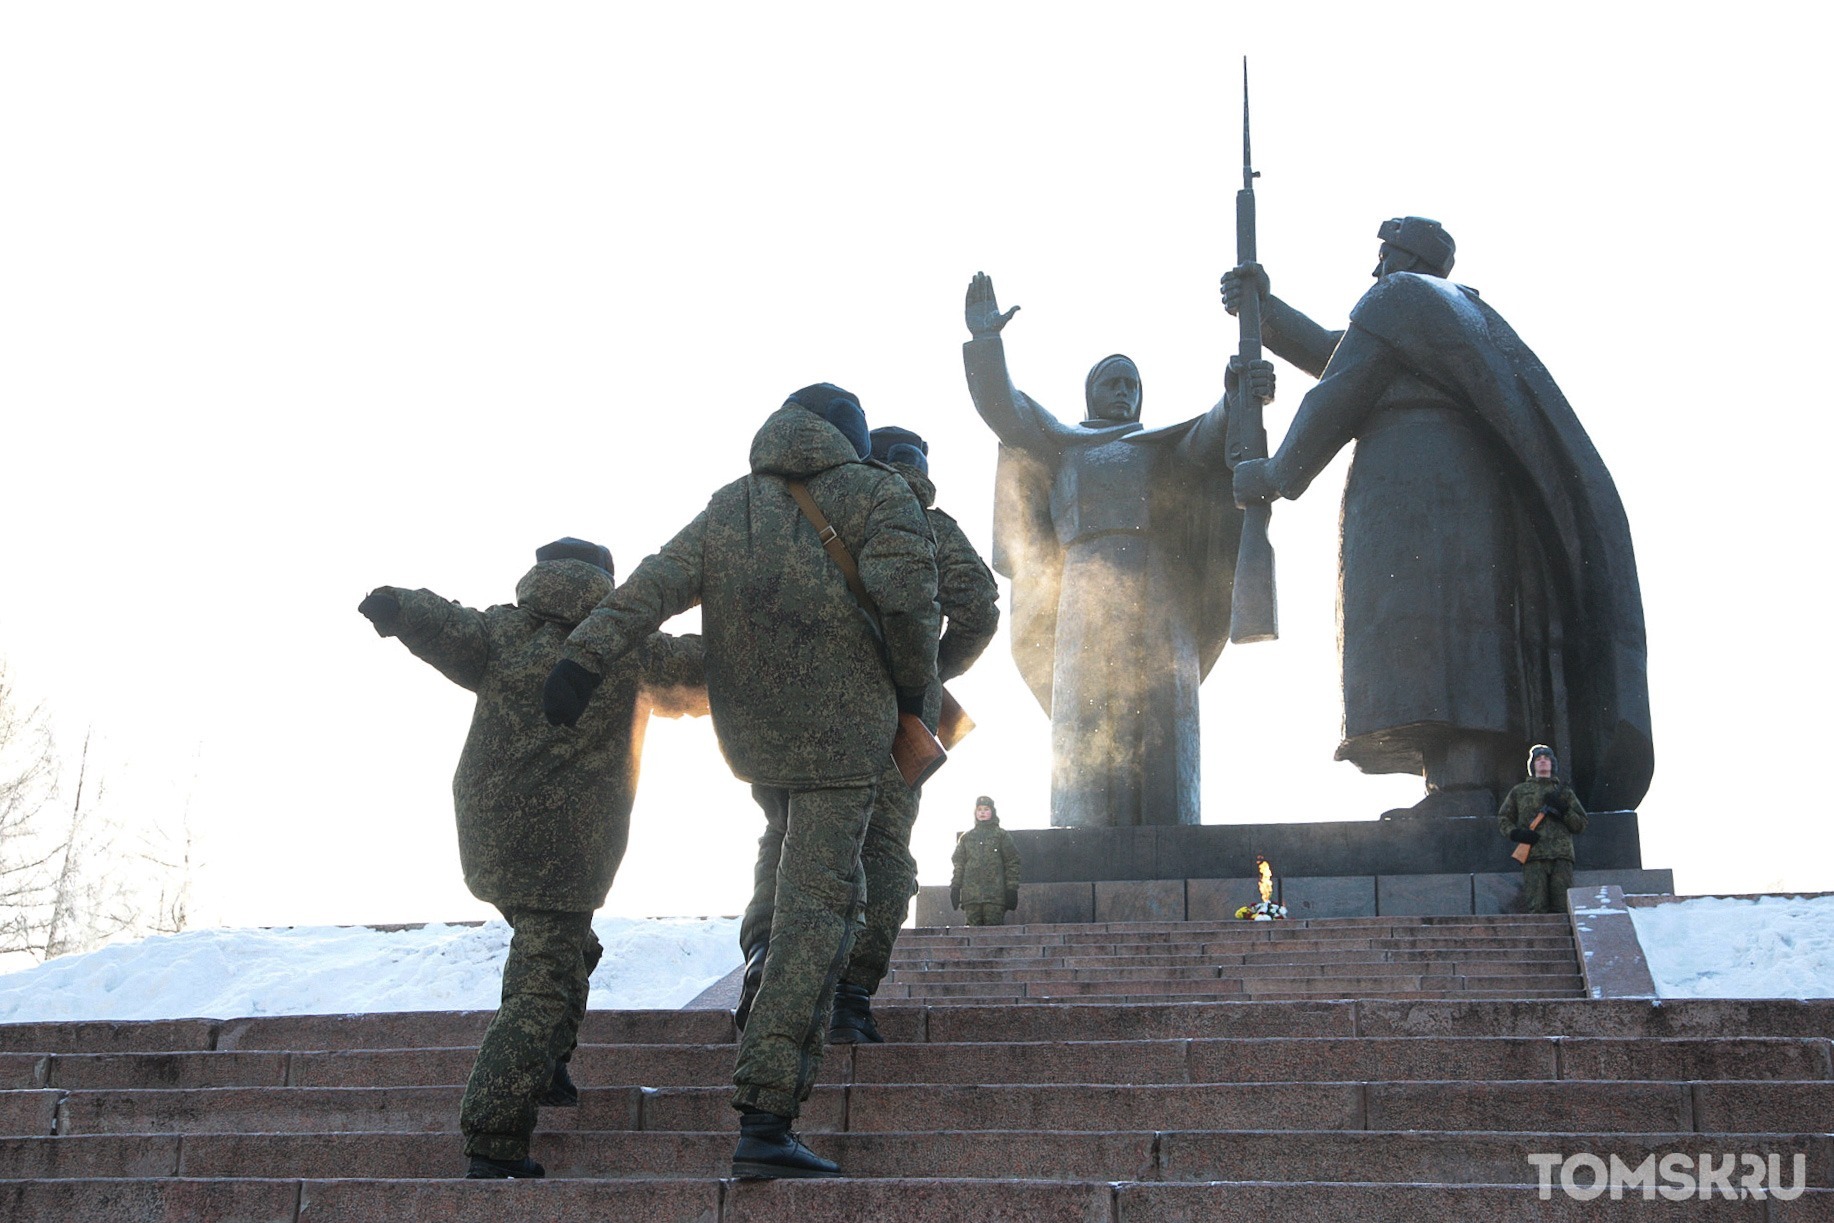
317	970
1713	947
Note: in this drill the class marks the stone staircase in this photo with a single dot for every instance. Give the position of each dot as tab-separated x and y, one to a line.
1242	961
1386	1069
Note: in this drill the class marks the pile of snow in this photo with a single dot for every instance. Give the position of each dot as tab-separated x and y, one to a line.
336	970
1721	947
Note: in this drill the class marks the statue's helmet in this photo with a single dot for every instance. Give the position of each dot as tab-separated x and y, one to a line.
1538	751
1423	238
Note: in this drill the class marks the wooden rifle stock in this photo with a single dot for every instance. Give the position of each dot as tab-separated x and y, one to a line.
953	725
1520	853
916	751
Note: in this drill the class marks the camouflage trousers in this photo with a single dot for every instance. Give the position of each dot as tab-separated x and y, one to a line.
551	956
891	881
985	915
1545	882
811	850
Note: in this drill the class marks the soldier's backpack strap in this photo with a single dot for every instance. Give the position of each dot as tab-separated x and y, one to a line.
835	546
954	723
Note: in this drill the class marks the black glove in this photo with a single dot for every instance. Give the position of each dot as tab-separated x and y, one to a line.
1554	809
910	700
955	896
1524	836
569	686
383	611
1012	898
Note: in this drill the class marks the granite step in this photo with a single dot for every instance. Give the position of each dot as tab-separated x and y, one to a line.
1181	959
1179	1155
1603	1104
1162	1061
1234	990
843	1201
1149	945
1565	971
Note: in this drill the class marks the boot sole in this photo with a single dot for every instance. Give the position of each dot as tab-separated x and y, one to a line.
748	1170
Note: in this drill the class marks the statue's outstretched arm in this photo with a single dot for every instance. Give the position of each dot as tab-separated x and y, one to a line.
1286	332
1012	415
1327	420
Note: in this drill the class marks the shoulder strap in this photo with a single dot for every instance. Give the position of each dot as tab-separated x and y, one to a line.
835	546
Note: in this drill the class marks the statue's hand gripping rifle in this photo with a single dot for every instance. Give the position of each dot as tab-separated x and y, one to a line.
1253	614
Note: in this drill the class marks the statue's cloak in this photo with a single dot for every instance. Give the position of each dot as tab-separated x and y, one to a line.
1194	521
1448	336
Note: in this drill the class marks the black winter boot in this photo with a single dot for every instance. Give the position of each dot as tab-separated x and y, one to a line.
767	1150
484	1168
748	989
560	1091
852	1022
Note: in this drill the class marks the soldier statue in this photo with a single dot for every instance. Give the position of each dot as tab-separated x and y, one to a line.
1121	543
1488	591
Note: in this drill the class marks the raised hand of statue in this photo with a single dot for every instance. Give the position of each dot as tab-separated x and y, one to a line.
1234	285
983	309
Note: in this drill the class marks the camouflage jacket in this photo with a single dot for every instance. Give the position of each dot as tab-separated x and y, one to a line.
802	686
543	811
964	584
1557	832
986	864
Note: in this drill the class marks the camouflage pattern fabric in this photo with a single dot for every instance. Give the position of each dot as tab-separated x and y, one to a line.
801	685
1520	806
551	956
964	584
815	915
970	605
985	915
1545	882
544	812
891	881
986	864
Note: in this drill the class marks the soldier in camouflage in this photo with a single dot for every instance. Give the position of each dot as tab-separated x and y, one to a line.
970	606
805	694
1548	873
543	816
986	882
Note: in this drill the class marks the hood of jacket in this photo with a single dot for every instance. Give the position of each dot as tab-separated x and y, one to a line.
921	484
563	591
795	443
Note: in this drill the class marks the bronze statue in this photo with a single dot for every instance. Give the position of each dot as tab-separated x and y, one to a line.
1488	590
1121	545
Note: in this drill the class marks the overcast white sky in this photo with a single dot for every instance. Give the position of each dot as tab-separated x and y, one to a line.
296	300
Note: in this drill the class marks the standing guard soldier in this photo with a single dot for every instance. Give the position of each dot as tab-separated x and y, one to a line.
986	882
1544	814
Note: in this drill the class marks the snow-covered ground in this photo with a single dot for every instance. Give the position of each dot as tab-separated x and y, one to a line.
225	974
1713	947
1776	947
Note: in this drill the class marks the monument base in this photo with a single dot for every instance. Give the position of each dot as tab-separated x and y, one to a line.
1349	868
1159	900
1464	845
